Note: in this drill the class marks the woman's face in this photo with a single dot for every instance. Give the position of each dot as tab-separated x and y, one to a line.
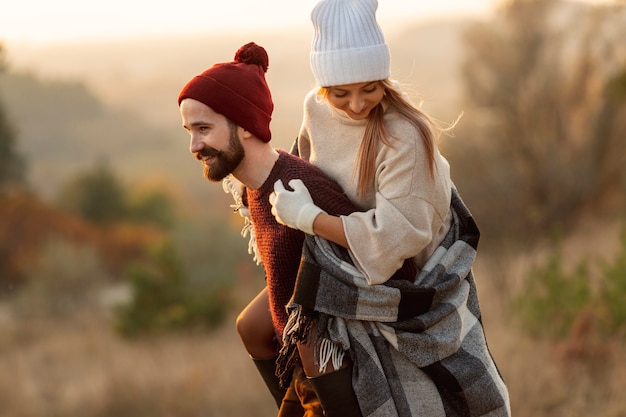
356	100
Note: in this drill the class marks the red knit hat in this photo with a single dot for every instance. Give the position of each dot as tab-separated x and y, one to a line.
237	90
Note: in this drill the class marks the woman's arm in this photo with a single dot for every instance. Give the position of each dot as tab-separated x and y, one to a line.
330	228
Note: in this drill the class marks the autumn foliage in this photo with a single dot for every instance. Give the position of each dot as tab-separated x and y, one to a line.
27	223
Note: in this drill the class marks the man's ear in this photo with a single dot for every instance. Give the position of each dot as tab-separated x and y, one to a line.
243	133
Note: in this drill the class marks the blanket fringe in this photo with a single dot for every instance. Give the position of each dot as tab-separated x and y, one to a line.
332	352
297	330
230	187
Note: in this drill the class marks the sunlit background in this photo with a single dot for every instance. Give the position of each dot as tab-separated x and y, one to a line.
37	21
122	269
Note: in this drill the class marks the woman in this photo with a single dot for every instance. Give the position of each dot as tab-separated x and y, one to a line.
363	132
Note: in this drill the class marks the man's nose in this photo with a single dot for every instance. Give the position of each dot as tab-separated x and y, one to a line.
195	145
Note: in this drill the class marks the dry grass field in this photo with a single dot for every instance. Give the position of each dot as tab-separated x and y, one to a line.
77	366
80	367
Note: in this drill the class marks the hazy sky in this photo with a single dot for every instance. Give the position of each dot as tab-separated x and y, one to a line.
54	21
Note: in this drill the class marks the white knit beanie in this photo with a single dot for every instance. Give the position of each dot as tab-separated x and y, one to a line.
348	44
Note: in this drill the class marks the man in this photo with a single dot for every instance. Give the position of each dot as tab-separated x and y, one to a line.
227	111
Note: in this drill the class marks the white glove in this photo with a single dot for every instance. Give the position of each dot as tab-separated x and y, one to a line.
294	208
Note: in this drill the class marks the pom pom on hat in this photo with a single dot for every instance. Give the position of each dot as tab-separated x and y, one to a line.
348	44
253	54
238	90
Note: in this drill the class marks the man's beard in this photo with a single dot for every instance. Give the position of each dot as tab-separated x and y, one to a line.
225	161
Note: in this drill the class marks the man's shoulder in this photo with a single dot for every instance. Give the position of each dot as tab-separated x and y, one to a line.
292	166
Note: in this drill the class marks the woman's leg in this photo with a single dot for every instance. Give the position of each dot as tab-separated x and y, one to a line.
255	328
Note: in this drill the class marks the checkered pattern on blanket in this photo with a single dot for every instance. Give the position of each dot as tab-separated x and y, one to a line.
418	348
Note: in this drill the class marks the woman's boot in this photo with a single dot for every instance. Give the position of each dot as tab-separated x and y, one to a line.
267	369
336	394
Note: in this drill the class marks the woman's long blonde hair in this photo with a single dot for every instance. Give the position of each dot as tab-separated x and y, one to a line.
376	131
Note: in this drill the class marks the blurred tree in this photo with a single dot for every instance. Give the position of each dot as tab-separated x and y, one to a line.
164	299
546	89
96	195
151	206
11	164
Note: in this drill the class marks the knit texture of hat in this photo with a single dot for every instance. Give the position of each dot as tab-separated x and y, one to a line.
238	90
348	44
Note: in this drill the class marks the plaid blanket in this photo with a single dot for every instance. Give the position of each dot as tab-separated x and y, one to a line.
418	348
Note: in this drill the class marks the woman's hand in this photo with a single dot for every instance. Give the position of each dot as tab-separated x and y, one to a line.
294	208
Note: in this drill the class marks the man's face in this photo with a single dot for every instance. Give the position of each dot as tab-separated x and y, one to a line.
214	140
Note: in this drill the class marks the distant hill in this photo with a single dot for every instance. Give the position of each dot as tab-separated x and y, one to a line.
117	100
63	127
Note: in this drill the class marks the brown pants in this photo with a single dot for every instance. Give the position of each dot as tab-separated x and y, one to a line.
300	399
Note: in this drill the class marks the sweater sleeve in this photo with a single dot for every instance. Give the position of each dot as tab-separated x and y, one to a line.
411	211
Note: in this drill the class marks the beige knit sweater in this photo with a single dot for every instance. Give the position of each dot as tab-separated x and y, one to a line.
407	214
